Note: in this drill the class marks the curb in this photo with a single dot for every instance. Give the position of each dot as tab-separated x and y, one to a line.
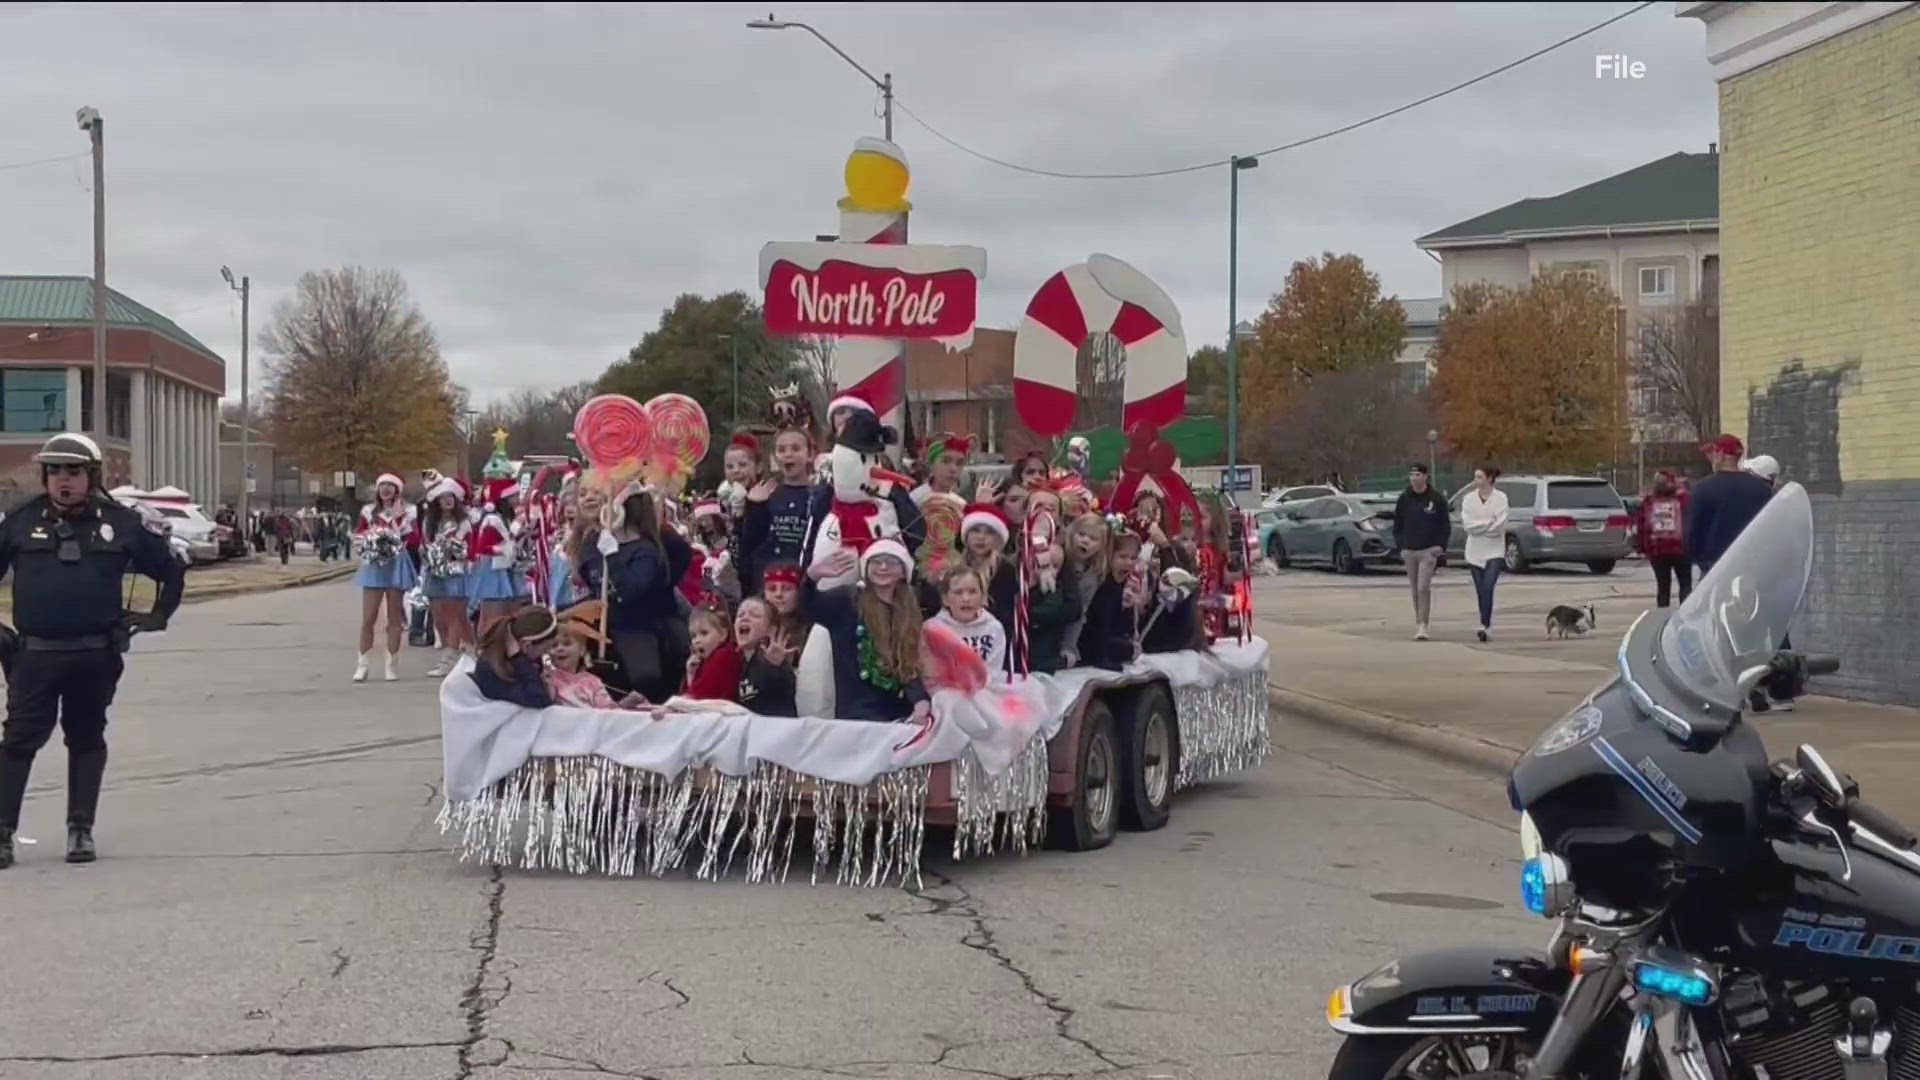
226	591
1455	747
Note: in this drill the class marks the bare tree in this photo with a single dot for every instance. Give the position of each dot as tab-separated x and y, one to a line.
1676	373
811	365
1099	371
1344	425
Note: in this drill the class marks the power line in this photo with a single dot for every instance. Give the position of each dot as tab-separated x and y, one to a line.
45	161
1201	166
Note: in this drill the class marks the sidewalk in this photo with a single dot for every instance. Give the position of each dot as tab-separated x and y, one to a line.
1482	705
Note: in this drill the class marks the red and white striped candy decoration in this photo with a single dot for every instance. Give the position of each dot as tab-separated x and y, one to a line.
1101	294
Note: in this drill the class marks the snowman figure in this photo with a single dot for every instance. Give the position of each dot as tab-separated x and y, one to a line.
861	510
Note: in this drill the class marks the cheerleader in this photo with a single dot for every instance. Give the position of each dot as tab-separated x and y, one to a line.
445	537
496	580
386	527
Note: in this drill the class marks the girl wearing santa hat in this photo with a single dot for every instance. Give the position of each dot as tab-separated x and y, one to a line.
495	580
874	630
445	535
713	540
985	537
386	527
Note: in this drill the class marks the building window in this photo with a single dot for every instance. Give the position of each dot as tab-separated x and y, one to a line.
119	404
35	400
1413	375
1656	282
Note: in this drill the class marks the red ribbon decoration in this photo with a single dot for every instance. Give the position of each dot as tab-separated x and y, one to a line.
1148	455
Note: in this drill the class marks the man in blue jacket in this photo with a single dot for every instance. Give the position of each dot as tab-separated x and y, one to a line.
1720	506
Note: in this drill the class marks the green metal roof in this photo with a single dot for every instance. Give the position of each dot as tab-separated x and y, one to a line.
69	300
1677	189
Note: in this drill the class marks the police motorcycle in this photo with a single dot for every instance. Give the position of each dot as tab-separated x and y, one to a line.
1715	916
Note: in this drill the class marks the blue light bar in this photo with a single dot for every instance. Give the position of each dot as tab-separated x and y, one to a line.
1689	987
1533	886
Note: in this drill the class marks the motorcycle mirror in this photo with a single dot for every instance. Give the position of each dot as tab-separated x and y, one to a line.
1751	677
1821	775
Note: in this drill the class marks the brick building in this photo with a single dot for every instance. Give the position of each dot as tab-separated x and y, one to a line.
1820	343
968	392
163	386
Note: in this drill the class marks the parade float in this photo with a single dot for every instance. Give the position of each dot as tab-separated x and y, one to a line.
1065	760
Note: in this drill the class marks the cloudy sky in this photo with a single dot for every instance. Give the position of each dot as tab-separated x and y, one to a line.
548	178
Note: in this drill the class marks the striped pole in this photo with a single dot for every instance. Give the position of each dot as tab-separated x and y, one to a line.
873	368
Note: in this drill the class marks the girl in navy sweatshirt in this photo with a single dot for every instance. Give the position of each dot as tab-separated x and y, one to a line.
1110	636
875	631
508	666
643	617
774	527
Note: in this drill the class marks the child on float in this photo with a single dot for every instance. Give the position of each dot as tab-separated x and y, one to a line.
984	543
643	616
582	530
780	588
1109	638
766	654
775	524
713	667
740	468
569	673
712	538
1087	538
1053	595
508	667
445	538
496	580
386	527
874	629
964	611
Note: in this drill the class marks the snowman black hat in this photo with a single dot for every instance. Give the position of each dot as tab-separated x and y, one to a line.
865	434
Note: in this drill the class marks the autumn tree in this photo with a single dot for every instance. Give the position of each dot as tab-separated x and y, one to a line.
1346	424
1207	382
1330	315
1676	372
354	379
1532	375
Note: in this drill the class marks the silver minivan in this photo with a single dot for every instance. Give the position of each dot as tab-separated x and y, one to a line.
1556	519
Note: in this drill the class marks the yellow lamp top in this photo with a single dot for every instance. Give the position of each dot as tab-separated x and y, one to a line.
877	178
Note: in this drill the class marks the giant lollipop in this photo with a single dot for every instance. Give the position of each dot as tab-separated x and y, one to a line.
680	439
614	432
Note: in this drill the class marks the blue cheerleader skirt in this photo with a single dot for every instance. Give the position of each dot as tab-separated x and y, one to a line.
445	586
496	584
397	574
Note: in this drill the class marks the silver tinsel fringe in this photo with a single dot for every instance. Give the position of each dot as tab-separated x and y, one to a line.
1223	728
590	815
1005	812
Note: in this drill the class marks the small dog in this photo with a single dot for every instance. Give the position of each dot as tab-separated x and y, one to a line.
1565	619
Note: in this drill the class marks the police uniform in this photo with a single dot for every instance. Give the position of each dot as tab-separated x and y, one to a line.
71	629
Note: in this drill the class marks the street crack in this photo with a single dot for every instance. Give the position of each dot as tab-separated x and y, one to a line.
320	1050
484	993
340	962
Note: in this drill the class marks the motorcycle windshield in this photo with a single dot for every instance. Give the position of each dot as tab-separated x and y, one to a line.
1739	612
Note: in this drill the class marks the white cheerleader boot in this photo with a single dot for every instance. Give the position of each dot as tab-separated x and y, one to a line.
393	674
360	669
441	666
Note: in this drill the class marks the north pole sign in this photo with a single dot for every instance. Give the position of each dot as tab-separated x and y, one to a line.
872	290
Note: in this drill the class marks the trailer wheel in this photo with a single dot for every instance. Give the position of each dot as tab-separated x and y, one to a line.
1090	822
1150	760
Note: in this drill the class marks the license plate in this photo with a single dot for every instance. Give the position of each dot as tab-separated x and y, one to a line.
1592	526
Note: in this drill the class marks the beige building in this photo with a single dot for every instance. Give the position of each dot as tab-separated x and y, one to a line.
1652	234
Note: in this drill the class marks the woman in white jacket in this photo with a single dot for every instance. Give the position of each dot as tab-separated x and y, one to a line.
1483	516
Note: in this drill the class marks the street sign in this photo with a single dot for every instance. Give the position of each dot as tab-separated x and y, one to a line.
249	474
253	486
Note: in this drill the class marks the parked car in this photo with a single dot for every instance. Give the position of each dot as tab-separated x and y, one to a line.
1298	493
1345	532
1556	519
1632	503
187	523
159	523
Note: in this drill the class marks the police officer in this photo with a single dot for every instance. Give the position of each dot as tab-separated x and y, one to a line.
70	550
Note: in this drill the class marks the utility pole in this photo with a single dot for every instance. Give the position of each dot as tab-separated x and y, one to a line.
245	289
92	123
1233	315
884	83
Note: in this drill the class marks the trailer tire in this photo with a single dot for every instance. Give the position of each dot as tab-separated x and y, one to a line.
1149	760
1090	821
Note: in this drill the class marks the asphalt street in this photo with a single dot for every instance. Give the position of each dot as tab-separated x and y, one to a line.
273	900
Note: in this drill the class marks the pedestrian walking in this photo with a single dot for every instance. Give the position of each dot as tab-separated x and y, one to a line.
1483	515
1721	505
1421	530
69	549
1660	534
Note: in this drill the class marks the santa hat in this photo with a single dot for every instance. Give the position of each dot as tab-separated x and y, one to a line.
888	547
500	488
849	401
784	574
985	516
389	478
706	508
446	485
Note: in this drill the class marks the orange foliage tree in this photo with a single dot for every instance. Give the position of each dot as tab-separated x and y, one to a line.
1533	375
1330	315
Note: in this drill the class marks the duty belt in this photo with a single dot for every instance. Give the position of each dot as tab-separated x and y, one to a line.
83	643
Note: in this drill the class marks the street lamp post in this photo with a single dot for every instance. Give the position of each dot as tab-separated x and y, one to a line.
883	82
245	289
1433	452
90	122
1233	310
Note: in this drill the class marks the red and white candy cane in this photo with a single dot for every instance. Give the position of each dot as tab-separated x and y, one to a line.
873	369
1102	294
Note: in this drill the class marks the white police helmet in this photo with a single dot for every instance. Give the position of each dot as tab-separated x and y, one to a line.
69	448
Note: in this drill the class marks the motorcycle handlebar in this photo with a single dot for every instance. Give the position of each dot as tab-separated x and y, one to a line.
1821	663
1881	824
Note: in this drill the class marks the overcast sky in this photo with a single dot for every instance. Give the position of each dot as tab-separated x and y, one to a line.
548	179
